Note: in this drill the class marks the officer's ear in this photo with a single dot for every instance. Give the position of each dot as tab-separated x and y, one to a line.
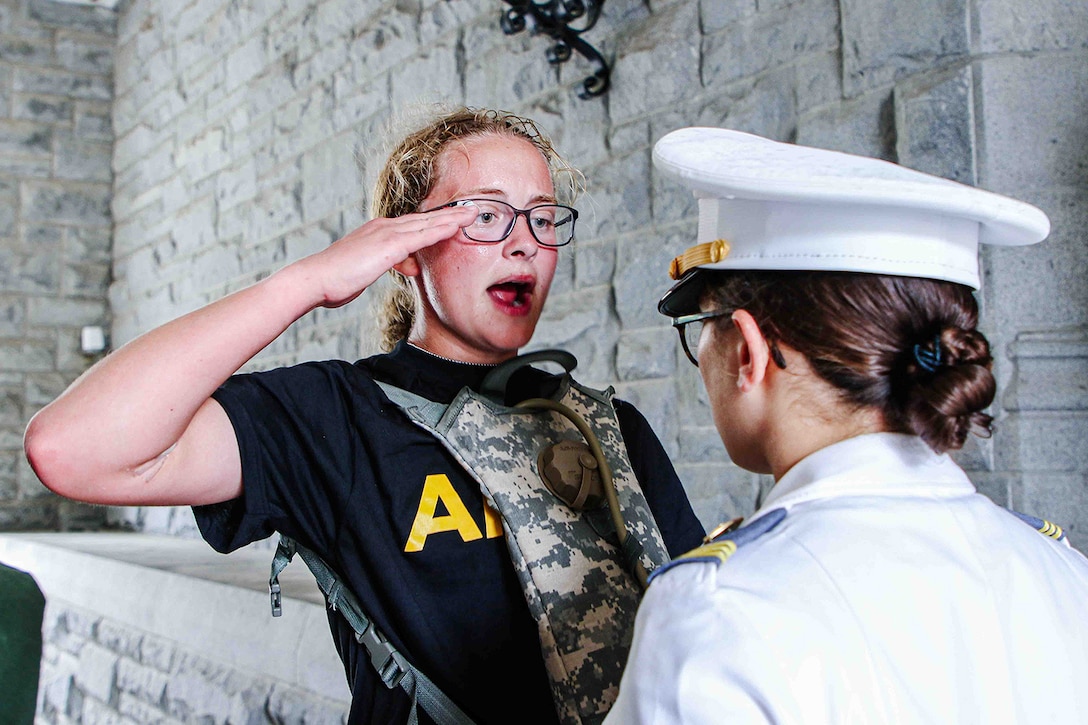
409	267
754	352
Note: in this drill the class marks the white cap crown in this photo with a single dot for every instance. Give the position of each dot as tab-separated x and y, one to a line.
781	206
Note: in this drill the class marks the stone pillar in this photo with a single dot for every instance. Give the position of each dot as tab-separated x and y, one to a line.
56	62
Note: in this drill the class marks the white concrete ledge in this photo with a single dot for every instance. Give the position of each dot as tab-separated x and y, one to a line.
183	591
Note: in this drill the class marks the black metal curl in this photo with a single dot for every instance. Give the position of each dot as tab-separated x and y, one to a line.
553	19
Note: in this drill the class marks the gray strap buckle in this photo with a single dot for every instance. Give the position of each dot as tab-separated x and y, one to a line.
389	663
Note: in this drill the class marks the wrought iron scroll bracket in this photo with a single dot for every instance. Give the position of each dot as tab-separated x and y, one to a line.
553	18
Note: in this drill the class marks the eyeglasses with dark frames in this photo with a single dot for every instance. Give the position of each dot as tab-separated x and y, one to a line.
690	329
552	225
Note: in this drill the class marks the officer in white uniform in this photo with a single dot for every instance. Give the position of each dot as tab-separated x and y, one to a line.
874	584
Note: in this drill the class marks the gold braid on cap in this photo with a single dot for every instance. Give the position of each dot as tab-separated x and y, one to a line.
697	256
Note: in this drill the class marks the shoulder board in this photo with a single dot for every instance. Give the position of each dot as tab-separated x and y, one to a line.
725	545
1044	527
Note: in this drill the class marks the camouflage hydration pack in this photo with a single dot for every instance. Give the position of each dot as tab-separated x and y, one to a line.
576	575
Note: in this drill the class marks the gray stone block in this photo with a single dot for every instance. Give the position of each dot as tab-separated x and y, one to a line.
65	313
1042	442
563	280
80	279
79	52
583	324
26	51
93	121
86	204
715	15
655	401
768	40
31	357
1005	26
385	40
286	706
819	80
78	159
629	137
245	62
157	652
12	315
646	354
657	63
933	124
8	207
120	639
995	486
864	125
32	271
25	139
621	196
194	16
62	83
89	18
765	105
87	244
142	683
11	410
137	710
641	278
593	263
330	178
700	443
437	19
1051	371
29	168
578	130
1044	286
1027	140
42	388
98	671
883	42
504	72
43	109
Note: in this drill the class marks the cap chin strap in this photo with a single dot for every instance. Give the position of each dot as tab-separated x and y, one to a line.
697	256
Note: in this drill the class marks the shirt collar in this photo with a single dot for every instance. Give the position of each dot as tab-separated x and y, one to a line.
876	464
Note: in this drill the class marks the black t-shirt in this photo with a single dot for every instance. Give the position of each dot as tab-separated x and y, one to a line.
328	460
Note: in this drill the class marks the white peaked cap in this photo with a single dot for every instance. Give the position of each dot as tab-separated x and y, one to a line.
766	205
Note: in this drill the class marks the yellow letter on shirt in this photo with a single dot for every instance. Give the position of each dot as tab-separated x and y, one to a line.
438	487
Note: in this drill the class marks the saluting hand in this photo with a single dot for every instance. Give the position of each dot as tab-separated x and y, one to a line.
349	265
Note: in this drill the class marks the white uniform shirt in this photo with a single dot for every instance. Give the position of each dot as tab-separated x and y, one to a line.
891	592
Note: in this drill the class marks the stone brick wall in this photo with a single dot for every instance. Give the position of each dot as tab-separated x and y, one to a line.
56	65
238	124
141	629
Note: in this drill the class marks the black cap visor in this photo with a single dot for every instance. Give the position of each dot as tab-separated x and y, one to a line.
683	297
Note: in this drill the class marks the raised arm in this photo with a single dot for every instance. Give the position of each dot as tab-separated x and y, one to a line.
140	426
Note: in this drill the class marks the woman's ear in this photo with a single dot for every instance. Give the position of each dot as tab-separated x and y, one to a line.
409	267
754	354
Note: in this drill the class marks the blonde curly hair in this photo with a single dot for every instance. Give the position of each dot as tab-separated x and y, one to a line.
408	176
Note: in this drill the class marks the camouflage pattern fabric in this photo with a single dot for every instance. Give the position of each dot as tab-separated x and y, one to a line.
582	598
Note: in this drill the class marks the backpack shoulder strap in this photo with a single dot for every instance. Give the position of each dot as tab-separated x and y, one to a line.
416	406
392	667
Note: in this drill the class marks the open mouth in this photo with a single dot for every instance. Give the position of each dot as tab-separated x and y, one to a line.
512	294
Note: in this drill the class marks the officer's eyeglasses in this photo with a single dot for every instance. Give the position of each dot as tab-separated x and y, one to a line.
690	329
552	225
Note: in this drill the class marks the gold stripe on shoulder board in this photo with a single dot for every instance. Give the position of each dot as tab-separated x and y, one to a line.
1051	529
722	550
